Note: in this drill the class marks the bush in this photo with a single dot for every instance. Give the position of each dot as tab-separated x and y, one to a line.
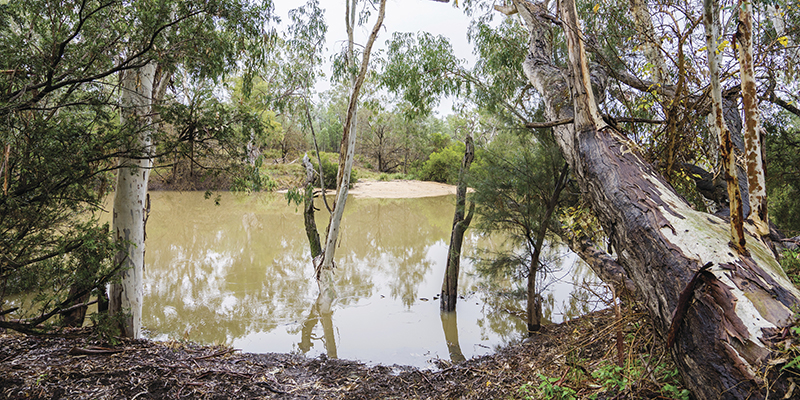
330	167
443	165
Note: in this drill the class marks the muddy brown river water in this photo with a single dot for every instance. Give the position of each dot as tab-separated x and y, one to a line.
240	274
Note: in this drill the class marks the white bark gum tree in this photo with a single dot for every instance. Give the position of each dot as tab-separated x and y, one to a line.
651	46
727	154
130	198
722	342
325	266
757	183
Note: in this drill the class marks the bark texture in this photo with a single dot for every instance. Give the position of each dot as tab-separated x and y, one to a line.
308	210
461	221
727	155
131	200
757	183
661	241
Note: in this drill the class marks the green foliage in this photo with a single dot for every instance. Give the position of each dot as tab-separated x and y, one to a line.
61	134
611	377
423	67
615	379
330	168
790	261
443	165
498	84
252	179
789	348
57	177
605	380
439	141
547	389
208	138
107	326
512	190
783	173
671	391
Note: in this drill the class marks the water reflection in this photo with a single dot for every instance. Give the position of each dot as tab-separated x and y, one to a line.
450	327
323	315
240	274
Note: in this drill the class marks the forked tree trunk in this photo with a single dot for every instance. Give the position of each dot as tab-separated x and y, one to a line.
325	268
711	23
722	344
131	200
461	221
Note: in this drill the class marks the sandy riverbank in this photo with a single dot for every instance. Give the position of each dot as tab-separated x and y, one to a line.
396	189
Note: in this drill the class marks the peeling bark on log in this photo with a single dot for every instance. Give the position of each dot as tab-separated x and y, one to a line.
661	241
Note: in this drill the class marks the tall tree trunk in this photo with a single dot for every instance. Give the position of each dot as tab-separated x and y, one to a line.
721	347
757	183
711	22
131	200
460	224
325	268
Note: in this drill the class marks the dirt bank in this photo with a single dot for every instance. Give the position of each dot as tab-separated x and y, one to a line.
564	356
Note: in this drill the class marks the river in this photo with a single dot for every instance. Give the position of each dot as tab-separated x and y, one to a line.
239	273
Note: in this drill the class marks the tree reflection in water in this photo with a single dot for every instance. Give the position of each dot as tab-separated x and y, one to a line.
316	315
450	327
240	274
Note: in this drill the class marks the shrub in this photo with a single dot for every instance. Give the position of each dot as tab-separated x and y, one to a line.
330	167
443	165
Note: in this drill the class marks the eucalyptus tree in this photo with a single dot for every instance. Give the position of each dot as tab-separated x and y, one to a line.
631	163
324	264
179	33
90	70
59	134
423	68
722	339
712	27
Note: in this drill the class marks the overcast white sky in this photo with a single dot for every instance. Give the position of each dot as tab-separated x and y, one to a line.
401	16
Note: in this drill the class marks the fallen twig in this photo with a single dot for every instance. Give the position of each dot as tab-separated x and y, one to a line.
92	350
217	354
